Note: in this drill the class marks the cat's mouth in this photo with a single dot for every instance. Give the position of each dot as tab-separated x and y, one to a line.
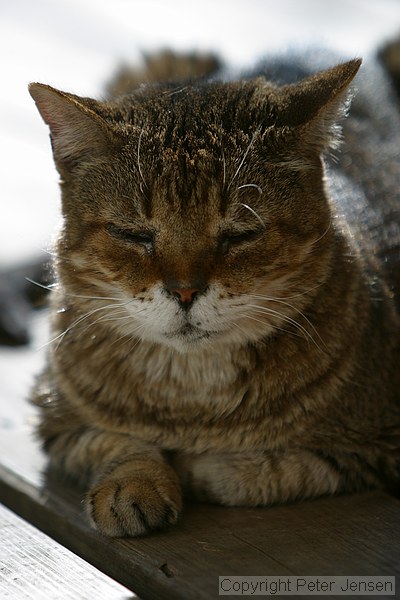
189	333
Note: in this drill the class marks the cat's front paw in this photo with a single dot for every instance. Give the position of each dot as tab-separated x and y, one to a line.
133	506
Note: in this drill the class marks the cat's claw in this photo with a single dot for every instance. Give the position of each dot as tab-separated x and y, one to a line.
133	506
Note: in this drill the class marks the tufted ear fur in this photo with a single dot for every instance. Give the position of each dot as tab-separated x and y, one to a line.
312	109
77	131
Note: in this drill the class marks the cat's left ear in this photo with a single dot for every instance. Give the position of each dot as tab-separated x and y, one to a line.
77	131
314	106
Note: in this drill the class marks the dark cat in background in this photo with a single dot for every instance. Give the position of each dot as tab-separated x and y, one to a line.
220	329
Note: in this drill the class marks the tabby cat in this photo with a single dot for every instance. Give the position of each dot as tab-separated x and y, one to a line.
219	330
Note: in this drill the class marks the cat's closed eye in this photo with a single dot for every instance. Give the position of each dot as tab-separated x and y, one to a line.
143	238
231	239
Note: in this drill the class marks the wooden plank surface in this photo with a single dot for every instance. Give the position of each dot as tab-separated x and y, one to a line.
348	535
35	567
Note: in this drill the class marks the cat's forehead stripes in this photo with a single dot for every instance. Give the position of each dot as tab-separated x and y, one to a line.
197	112
195	119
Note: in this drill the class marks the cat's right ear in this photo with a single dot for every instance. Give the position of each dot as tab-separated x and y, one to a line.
315	106
77	131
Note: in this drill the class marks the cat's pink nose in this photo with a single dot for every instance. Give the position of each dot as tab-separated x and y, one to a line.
185	295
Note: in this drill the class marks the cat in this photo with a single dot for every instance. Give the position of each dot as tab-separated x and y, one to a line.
220	332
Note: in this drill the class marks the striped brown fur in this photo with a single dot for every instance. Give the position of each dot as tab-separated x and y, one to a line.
218	330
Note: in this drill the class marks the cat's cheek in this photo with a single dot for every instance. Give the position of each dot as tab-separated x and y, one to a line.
242	266
133	274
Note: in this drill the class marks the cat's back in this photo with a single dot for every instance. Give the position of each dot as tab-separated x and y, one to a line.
365	180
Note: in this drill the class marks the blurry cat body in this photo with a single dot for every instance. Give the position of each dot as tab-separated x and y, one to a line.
219	331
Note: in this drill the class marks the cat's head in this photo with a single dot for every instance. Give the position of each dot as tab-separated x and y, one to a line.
200	209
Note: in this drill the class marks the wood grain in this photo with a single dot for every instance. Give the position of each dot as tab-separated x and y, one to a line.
349	535
35	567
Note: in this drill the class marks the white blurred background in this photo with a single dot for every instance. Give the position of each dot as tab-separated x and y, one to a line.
76	44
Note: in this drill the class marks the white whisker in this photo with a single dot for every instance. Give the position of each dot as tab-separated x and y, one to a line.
252	185
279	315
138	161
294	308
56	255
249	147
253	212
323	235
79	320
272	298
291	321
131	336
52	288
112	316
275	327
224	169
176	91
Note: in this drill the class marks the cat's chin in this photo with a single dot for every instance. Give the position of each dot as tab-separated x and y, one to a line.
187	339
185	342
193	340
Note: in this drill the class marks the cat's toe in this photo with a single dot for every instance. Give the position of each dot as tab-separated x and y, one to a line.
133	506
